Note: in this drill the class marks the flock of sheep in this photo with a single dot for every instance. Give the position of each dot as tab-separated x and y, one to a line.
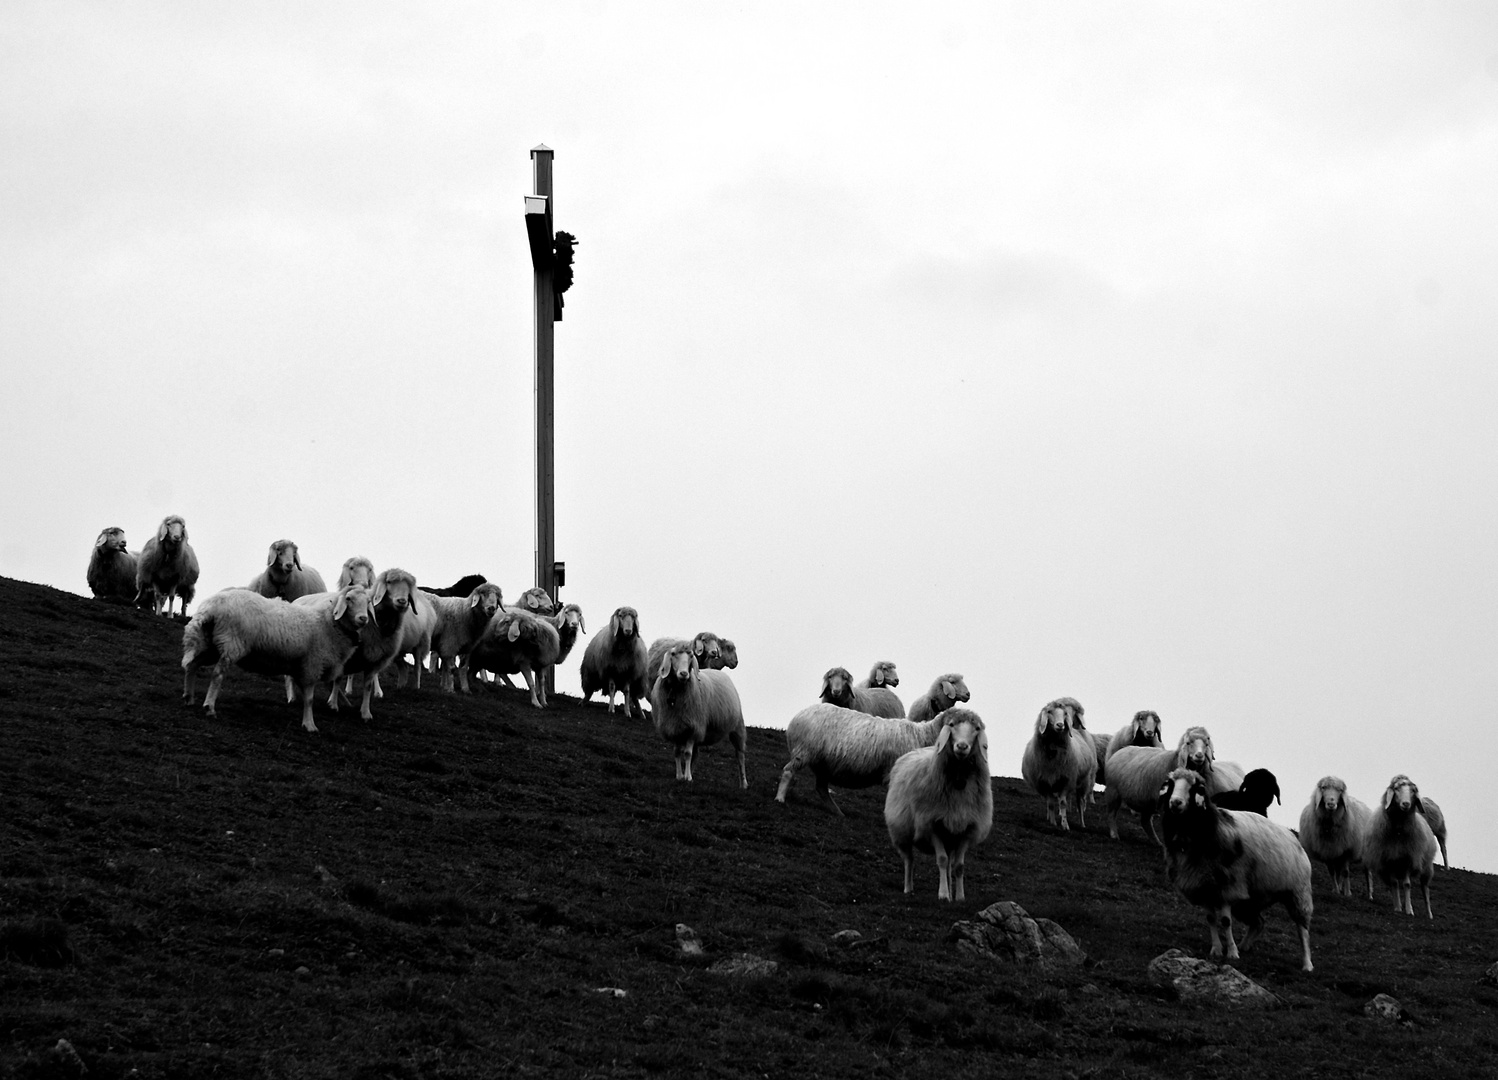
1221	851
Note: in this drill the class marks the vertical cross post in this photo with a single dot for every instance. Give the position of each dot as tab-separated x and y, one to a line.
538	223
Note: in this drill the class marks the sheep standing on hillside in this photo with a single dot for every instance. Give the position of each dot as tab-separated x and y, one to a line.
617	659
705	647
1398	844
111	568
1136	773
1332	827
848	749
167	567
691	708
518	641
940	801
460	620
1233	864
838	689
284	577
270	637
392	601
1060	761
946	691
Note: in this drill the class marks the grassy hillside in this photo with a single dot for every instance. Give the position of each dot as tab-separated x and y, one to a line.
444	891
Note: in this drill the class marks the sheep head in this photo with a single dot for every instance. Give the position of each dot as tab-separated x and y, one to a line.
625	622
172	531
394	589
1262	785
536	601
1074	711
1053	725
730	658
351	607
1184	790
1146	725
962	735
678	667
837	687
951	689
112	539
356	571
572	615
1403	795
1195	751
283	558
1331	794
706	648
884	674
486	599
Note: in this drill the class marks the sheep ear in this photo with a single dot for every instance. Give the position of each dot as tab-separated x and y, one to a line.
697	647
412	600
102	537
1388	797
296	558
514	631
944	738
473	601
340	604
580	625
379	591
948	691
161	532
614	623
1419	806
270	556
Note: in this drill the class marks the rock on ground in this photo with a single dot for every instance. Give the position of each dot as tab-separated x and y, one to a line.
1004	932
1207	982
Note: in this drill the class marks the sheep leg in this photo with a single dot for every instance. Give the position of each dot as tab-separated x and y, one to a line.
1369	871
189	685
541	685
737	741
1061	801
610	689
530	683
686	753
290	690
308	692
369	684
908	857
506	680
1305	949
1425	892
943	868
1111	806
787	774
1082	810
1220	922
1255	928
959	871
462	674
827	797
211	697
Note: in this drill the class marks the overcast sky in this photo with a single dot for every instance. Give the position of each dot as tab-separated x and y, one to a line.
1140	353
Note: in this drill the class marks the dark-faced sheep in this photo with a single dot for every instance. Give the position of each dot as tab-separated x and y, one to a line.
838	688
1060	761
518	641
1232	864
940	801
617	659
167	569
112	568
284	577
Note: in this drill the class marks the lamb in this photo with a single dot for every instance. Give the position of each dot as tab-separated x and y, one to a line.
1060	761
705	646
940	801
692	707
1399	844
237	626
617	659
848	748
167	567
111	568
1258	790
516	640
392	601
1231	863
1332	827
883	673
459	623
284	577
945	692
838	689
1135	774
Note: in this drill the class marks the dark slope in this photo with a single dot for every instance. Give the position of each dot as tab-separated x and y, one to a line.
442	892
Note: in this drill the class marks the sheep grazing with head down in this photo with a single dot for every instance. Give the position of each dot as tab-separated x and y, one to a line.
691	708
706	647
1135	774
459	623
111	568
617	659
284	577
1399	845
1232	864
848	749
271	637
1060	761
838	689
1332	827
167	568
940	801
1258	790
946	691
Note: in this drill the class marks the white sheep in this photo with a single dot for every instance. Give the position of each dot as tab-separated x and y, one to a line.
167	567
848	749
284	577
1233	863
460	620
1399	844
416	639
705	647
946	691
940	801
518	641
111	568
392	601
1135	774
237	626
1060	761
691	707
883	673
536	601
356	570
1200	756
617	659
1332	827
838	688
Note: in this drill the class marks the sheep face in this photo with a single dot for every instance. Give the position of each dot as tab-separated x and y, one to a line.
111	540
962	735
730	656
486	600
572	616
1330	794
1403	795
357	571
679	666
707	650
837	686
396	589
351	607
536	601
884	674
1054	723
1146	728
954	689
171	532
625	622
1195	751
1184	790
283	558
